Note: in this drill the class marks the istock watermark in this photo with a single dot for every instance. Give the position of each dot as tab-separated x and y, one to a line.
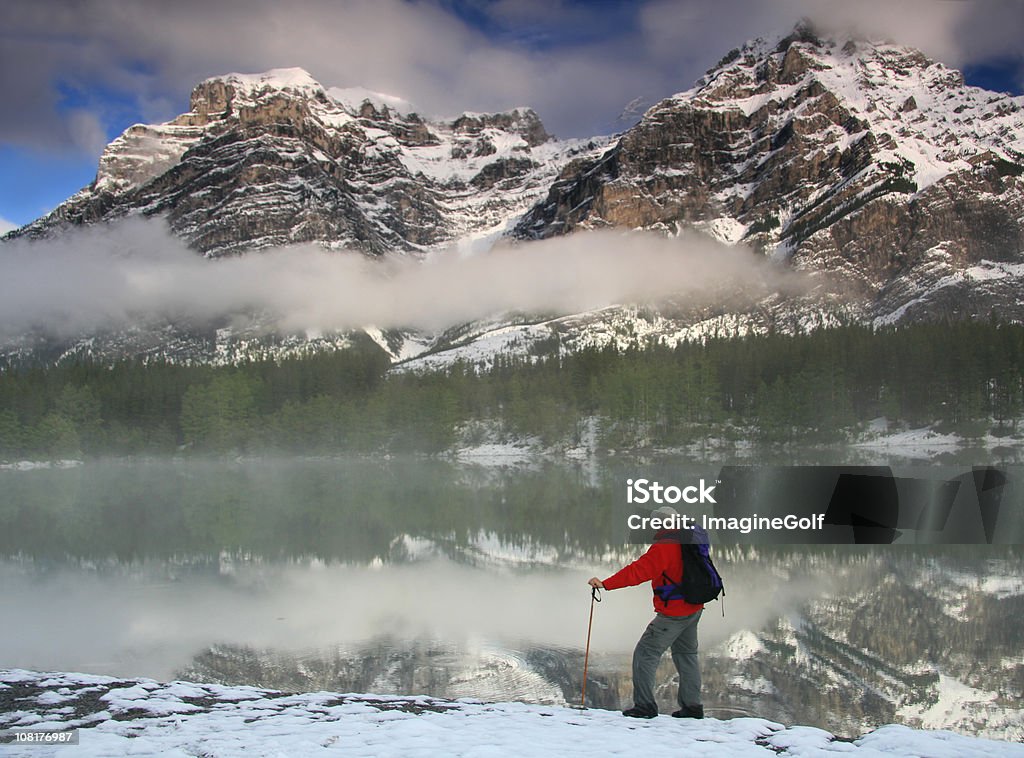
847	504
642	491
743	525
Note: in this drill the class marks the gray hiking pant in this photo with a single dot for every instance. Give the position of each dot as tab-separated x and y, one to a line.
679	633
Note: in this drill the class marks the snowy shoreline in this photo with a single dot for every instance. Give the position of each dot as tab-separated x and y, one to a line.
117	716
876	442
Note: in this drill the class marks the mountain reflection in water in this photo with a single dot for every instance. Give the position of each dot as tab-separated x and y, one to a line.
427	576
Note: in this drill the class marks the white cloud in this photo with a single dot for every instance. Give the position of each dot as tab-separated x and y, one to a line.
134	271
6	226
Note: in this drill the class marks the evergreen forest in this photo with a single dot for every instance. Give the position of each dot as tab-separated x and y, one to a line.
775	389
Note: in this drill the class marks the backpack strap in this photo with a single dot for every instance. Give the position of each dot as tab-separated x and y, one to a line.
670	590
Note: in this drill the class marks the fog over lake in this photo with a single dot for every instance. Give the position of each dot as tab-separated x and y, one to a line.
407	574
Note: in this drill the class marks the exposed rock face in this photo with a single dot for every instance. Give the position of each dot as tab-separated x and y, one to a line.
521	121
271	159
843	156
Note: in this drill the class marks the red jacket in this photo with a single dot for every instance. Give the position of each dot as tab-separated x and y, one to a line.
661	558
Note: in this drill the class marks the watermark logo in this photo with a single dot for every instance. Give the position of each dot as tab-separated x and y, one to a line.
661	522
643	491
829	505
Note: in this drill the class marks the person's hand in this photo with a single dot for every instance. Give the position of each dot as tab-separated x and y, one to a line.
595	582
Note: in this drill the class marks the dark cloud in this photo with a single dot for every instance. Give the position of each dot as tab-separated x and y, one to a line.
576	63
31	115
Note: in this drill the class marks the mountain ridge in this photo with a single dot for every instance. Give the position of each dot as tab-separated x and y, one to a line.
866	165
784	145
268	159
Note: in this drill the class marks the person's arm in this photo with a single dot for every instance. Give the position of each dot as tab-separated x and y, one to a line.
643	569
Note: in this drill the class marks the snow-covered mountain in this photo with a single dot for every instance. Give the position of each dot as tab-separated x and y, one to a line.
276	158
864	164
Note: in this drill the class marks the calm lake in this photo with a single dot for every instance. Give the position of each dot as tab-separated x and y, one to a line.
432	576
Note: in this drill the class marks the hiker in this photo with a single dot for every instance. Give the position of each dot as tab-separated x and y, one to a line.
675	626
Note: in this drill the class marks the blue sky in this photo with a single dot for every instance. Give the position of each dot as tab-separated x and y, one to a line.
75	73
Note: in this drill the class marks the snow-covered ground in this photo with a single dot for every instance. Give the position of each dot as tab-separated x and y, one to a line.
33	465
524	452
925	442
142	717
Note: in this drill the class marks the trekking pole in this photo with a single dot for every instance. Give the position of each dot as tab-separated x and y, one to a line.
595	597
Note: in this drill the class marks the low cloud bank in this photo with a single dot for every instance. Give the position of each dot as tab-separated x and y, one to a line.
135	273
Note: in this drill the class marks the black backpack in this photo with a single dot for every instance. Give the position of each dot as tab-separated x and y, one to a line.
701	582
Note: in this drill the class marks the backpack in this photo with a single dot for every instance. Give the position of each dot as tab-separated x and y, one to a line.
701	582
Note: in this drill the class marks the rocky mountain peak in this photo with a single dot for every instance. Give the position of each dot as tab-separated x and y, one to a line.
522	121
276	158
808	54
863	159
217	97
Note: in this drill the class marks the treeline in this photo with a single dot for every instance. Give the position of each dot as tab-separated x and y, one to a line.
817	387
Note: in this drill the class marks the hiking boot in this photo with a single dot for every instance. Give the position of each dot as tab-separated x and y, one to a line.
641	711
690	712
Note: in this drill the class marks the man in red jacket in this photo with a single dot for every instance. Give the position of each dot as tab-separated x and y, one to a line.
675	626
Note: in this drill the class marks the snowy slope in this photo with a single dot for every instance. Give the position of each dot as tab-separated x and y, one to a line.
145	717
917	109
